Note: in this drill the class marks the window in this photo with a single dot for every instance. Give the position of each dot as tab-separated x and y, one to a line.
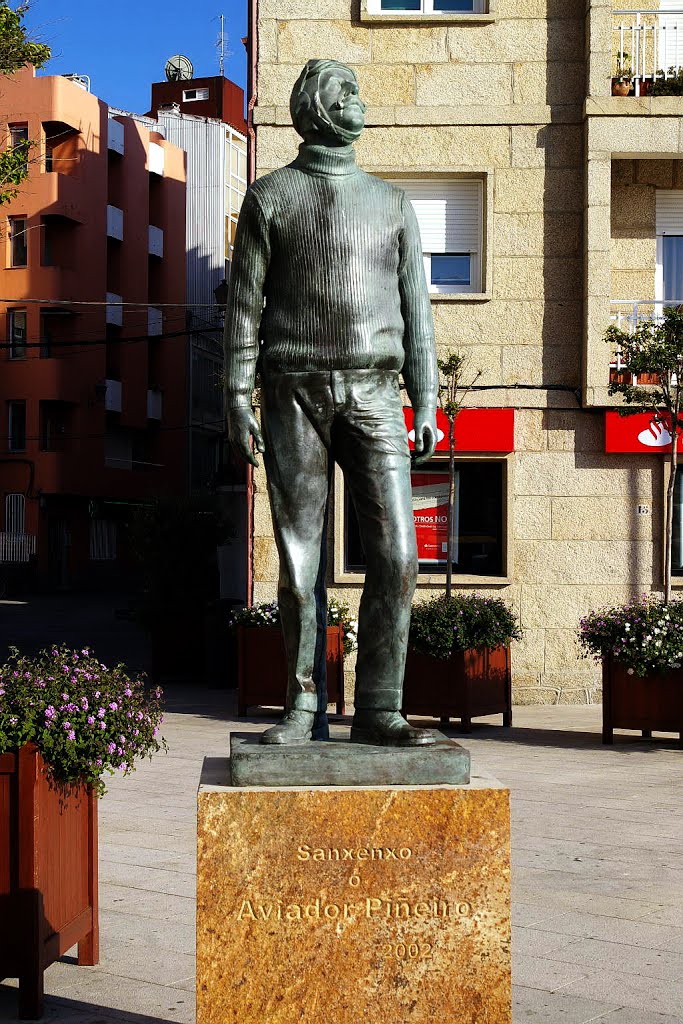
19	137
103	537
17	242
450	215
190	95
16	333
478	526
669	229
15	513
53	426
16	440
425	6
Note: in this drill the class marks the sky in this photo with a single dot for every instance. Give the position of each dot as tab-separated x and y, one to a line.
123	46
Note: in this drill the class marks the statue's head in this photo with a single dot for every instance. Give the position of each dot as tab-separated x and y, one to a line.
325	105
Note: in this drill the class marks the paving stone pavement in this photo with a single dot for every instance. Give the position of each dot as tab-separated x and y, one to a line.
597	873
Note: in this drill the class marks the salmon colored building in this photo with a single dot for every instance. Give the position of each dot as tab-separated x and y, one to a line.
93	388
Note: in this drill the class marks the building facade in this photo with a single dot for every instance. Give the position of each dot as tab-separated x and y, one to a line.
549	208
92	326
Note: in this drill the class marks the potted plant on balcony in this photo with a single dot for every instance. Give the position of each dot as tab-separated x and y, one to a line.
65	721
261	663
640	645
458	663
623	76
670	84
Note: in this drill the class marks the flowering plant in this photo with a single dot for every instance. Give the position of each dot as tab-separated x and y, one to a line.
458	623
338	614
86	719
646	635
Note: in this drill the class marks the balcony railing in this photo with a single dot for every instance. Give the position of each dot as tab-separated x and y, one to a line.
647	42
627	314
17	547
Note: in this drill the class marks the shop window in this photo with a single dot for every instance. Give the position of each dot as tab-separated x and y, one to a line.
16	333
479	522
16	436
450	216
18	241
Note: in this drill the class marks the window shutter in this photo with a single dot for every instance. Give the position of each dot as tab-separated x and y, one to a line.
670	35
669	212
449	213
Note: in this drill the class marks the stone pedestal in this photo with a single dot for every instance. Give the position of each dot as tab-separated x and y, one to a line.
352	905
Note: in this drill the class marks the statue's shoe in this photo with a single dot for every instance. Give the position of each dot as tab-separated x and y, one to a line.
387	729
295	728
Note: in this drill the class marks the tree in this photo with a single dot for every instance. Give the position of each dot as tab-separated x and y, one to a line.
452	394
16	51
655	348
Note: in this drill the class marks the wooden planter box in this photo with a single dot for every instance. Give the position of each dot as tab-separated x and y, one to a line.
48	875
262	667
465	686
648	703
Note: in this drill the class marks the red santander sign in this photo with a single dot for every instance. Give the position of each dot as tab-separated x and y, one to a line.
638	433
476	430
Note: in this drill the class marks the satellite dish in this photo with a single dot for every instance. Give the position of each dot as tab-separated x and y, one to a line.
179	68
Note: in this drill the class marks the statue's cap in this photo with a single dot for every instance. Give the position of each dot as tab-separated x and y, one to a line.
298	104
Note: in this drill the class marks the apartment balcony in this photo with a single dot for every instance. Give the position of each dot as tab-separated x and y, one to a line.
17	547
155	243
628	315
114	309
155	162
115	223
154	404
113	398
155	321
115	136
648	48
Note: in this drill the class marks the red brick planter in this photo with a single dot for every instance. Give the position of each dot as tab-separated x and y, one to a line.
652	703
262	668
48	875
465	686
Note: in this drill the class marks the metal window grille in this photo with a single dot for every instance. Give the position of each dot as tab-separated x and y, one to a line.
103	538
15	513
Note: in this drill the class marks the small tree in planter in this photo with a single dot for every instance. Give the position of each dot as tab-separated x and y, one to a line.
262	666
65	721
458	662
655	350
640	645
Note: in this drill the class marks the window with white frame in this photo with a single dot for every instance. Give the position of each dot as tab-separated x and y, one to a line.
407	7
669	230
449	212
190	95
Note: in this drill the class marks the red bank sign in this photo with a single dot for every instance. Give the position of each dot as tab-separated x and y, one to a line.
638	433
476	430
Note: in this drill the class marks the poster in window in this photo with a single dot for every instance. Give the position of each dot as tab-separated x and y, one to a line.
430	512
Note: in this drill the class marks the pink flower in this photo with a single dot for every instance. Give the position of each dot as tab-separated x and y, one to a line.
114	706
71	735
103	725
101	713
50	712
91	720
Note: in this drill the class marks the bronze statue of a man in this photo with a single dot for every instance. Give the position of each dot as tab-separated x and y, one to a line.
328	296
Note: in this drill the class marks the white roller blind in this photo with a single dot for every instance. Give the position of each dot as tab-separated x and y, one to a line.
669	212
449	213
670	35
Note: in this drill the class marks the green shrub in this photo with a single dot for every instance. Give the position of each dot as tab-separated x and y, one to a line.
464	621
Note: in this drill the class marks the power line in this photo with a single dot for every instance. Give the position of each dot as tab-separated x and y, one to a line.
134	339
21	455
135	305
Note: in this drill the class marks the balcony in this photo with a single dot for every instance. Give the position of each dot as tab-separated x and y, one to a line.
155	244
647	44
115	136
114	312
154	404
17	547
115	223
155	321
155	161
627	315
113	396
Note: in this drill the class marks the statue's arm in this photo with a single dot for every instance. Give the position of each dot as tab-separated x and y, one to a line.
242	321
420	371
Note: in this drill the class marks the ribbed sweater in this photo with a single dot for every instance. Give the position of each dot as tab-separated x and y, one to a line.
336	255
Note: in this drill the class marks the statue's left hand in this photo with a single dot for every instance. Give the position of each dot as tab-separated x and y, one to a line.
425	434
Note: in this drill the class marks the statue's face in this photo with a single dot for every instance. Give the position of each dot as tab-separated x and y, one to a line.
338	92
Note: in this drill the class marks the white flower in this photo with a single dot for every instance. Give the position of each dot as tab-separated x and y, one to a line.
630	671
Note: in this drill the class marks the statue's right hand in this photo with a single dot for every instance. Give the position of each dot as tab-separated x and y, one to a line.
242	427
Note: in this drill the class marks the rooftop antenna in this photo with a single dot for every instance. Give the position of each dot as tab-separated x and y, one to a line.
220	43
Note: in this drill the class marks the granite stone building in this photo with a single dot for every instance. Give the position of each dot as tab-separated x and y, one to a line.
548	208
